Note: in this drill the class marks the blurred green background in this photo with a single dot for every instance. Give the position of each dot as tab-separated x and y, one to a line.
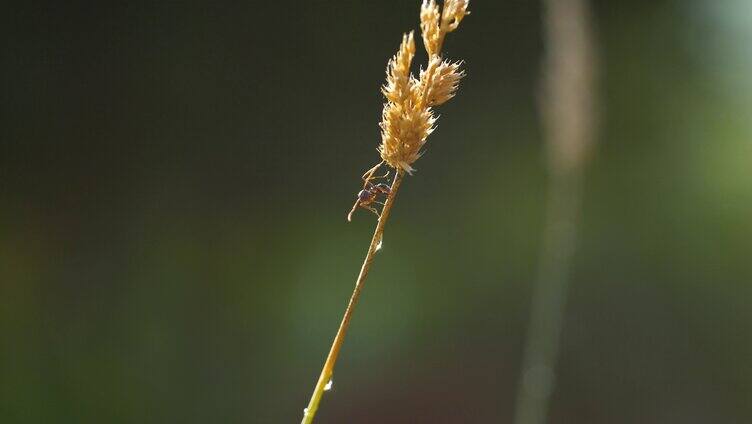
174	180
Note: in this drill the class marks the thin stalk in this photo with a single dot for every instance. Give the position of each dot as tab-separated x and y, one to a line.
570	123
328	370
549	298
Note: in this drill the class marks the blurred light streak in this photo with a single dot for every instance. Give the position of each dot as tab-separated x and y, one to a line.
568	112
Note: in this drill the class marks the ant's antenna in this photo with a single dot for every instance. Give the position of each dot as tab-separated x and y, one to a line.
352	211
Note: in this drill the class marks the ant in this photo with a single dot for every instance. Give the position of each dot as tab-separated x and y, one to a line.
370	192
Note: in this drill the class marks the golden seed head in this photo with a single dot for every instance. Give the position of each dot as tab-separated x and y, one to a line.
407	119
404	130
444	82
398	78
454	11
429	26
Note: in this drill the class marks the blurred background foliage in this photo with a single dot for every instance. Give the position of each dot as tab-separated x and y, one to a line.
174	180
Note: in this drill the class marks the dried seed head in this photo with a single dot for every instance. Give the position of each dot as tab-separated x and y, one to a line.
454	11
404	130
398	79
407	119
444	82
429	26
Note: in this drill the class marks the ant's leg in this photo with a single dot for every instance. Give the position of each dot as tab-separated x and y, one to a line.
372	209
368	176
380	177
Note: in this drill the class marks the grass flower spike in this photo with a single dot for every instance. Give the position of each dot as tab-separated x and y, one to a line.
406	122
445	82
407	119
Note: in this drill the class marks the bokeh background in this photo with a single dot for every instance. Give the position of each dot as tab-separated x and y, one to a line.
174	180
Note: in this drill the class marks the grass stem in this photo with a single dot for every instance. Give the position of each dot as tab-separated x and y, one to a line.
328	370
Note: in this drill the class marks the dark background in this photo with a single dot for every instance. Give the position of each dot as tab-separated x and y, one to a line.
174	179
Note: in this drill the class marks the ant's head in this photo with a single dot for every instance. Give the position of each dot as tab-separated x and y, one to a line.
365	195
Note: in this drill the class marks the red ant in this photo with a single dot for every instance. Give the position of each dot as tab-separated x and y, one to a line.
370	192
